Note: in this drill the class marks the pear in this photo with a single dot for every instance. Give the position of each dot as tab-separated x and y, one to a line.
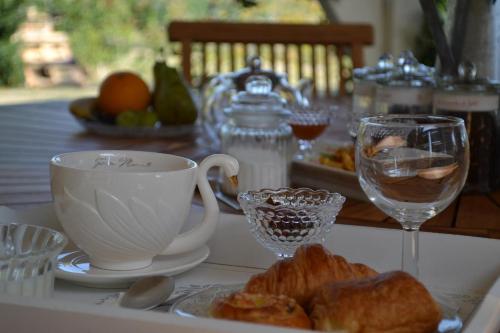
172	100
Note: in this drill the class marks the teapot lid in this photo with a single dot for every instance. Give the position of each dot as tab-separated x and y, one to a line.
254	67
258	99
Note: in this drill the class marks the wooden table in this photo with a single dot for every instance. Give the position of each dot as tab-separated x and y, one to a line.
30	134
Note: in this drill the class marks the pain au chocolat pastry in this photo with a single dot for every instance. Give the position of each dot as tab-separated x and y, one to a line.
392	302
277	310
299	277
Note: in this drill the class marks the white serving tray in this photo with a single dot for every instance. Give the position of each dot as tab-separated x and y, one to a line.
464	268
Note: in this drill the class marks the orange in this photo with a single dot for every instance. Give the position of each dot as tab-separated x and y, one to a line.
123	91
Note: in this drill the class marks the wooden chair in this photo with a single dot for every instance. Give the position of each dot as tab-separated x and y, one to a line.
325	53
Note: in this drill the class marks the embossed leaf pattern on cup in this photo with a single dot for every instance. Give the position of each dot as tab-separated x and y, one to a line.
115	228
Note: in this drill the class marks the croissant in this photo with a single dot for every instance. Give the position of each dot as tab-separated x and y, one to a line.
277	310
299	277
390	302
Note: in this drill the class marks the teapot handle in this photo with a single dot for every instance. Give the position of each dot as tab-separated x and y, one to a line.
199	235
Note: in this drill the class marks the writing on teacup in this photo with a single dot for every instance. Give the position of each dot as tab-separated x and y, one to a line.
122	162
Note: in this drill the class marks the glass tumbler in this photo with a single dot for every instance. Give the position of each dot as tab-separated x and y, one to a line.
28	255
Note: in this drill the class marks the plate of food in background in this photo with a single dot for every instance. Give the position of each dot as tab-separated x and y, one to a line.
331	166
126	107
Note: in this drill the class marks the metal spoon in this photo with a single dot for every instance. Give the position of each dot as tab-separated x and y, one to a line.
148	292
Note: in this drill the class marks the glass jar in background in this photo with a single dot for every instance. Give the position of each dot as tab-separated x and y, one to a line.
496	86
28	255
257	134
407	89
363	95
476	102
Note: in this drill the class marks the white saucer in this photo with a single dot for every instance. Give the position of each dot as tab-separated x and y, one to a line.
74	266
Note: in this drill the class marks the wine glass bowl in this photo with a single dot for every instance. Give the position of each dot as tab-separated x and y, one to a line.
308	123
282	220
412	168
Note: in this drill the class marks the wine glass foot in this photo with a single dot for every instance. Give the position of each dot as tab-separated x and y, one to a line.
451	321
299	156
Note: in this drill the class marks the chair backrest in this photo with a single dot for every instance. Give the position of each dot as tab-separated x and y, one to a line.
325	53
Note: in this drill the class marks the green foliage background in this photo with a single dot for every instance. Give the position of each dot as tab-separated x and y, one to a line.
108	35
425	49
12	12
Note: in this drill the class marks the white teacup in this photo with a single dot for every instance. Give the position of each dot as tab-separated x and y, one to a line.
124	207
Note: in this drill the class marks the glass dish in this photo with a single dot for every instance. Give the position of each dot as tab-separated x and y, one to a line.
198	305
282	220
28	259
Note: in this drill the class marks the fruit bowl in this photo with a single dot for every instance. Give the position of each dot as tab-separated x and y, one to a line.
84	111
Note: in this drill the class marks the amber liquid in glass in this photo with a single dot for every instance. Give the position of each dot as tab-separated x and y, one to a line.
308	131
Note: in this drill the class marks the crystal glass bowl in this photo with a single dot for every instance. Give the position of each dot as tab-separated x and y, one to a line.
282	220
28	259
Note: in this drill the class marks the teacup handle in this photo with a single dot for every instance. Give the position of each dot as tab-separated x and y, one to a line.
200	234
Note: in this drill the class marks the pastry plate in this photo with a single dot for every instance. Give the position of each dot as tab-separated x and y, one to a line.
74	266
310	173
198	305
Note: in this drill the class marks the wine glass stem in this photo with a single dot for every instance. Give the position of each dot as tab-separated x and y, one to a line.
305	147
409	262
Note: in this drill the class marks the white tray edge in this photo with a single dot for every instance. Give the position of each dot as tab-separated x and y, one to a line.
22	314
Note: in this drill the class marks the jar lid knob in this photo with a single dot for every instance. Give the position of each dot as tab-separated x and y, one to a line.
406	56
258	85
467	71
254	63
385	61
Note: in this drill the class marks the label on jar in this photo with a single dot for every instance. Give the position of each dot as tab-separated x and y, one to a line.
404	96
465	102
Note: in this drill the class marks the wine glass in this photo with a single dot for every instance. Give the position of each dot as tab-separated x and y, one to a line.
412	167
308	123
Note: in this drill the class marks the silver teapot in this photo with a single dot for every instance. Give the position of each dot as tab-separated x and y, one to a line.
218	93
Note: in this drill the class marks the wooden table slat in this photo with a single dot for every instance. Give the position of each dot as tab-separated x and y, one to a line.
25	198
478	211
362	211
495	196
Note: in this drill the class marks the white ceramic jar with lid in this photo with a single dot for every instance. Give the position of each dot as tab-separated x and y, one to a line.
257	134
